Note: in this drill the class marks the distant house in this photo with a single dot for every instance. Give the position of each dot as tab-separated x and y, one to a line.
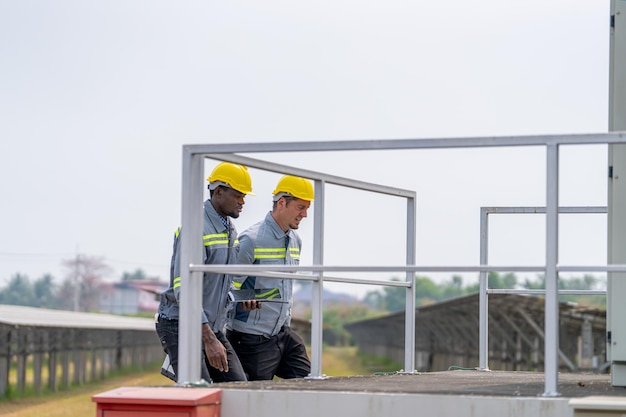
131	296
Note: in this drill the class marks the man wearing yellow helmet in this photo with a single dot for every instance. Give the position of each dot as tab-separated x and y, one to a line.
228	185
262	338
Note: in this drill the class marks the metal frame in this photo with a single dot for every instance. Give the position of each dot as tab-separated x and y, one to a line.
192	267
189	373
484	290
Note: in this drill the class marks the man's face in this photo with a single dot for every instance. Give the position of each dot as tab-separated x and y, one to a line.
295	210
229	202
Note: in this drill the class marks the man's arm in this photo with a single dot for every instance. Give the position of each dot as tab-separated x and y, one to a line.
214	349
176	282
176	266
245	256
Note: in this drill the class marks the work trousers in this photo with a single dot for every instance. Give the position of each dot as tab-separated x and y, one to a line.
167	331
283	355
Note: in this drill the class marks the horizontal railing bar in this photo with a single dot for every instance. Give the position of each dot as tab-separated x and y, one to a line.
591	268
269	274
247	269
404	284
314	175
538	209
529	291
274	274
399	144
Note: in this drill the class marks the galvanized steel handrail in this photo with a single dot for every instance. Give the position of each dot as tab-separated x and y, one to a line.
191	250
191	272
484	290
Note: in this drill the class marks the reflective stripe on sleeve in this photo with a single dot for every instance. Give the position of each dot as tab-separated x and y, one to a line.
215	239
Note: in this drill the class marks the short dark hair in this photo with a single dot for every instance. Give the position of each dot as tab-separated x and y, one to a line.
211	191
288	199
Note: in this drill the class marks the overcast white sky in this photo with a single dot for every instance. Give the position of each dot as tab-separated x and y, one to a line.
97	99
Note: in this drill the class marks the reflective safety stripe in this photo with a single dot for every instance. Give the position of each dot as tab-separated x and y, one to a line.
237	284
176	282
275	253
215	239
268	295
270	253
177	232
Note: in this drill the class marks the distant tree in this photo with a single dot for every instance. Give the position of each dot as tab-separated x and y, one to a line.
374	299
586	282
508	280
336	315
84	278
393	298
454	288
65	295
139	274
496	280
426	292
18	291
44	289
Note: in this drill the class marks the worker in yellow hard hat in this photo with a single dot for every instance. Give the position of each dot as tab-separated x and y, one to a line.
262	338
228	186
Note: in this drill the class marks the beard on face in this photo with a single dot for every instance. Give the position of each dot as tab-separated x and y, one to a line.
234	213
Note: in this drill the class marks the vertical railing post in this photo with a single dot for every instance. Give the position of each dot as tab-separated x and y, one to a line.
317	316
483	300
409	331
552	291
189	337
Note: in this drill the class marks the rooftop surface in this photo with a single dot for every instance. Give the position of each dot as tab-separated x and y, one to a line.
11	315
457	382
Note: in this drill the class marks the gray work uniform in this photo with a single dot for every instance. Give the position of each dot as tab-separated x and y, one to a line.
220	247
264	343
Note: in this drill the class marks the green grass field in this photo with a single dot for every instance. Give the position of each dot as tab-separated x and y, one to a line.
76	402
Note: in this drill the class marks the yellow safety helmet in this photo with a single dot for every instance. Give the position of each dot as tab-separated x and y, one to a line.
295	186
233	175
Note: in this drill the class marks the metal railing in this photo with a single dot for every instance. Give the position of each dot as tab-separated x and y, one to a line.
484	290
191	244
320	181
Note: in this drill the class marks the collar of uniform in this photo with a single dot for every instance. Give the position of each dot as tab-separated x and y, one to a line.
278	232
214	217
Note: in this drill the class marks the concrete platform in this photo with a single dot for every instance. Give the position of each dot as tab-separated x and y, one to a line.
450	393
460	382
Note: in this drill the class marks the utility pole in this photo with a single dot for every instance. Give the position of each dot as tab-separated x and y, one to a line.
77	281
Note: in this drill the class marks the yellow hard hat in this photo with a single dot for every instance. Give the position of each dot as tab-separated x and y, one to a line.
295	186
233	175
